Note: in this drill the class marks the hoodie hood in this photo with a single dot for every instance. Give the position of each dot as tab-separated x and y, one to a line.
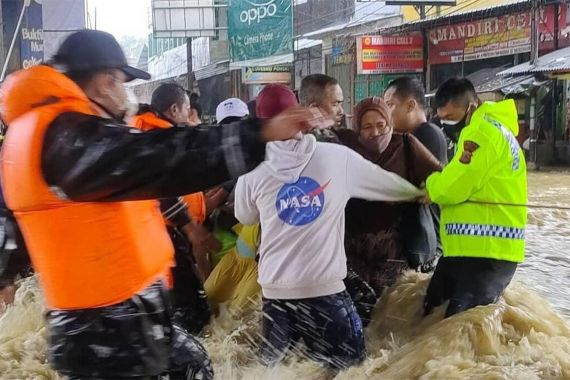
505	112
38	86
286	160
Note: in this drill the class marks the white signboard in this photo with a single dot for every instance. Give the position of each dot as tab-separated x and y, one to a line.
183	18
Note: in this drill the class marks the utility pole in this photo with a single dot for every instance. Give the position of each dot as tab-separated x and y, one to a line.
535	17
190	69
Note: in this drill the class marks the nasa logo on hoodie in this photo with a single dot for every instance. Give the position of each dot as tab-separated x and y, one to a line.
302	202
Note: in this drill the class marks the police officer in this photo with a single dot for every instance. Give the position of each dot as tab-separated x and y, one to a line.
482	193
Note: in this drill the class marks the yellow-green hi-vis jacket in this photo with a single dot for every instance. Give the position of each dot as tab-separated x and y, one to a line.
477	189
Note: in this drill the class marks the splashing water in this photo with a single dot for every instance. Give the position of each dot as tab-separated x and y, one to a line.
521	337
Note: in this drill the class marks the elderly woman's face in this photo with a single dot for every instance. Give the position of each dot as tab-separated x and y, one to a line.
372	125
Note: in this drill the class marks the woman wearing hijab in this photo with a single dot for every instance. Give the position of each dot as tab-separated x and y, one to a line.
374	236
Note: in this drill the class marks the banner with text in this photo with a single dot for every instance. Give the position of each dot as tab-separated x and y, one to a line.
389	54
266	74
260	28
491	37
31	36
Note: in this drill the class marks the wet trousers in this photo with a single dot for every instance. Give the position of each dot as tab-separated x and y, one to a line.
134	339
362	294
467	282
329	326
189	300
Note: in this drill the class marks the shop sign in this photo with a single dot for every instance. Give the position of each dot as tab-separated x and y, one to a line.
389	54
266	74
564	25
492	37
32	36
260	28
341	53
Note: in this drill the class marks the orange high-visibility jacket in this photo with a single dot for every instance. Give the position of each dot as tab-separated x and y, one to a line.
196	202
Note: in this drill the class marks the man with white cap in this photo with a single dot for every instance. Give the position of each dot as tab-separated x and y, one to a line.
230	110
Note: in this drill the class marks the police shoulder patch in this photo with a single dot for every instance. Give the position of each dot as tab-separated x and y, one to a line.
469	147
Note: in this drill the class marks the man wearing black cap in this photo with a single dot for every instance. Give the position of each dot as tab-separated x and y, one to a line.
82	186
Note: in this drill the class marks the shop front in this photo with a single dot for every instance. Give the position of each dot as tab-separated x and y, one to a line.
254	78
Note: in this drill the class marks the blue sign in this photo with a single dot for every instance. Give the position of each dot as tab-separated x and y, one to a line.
302	202
31	36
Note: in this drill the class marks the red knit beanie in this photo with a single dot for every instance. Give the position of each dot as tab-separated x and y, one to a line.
274	99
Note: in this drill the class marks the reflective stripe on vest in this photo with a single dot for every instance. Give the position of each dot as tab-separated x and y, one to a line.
488	230
511	140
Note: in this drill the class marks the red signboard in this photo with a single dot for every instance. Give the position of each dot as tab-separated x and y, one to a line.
564	25
491	37
389	54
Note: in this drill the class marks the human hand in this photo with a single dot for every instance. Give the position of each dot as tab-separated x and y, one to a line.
202	240
215	198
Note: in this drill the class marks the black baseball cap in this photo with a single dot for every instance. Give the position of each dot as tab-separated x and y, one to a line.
88	50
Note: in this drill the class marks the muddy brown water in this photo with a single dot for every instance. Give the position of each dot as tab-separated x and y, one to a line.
525	336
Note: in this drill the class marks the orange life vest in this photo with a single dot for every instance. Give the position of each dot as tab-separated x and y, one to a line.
148	121
196	201
87	254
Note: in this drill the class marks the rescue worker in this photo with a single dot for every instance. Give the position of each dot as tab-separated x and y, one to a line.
170	107
71	170
482	193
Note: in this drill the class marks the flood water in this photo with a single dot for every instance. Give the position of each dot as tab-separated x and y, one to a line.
525	336
547	266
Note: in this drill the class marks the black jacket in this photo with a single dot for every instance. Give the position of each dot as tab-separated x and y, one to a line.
87	158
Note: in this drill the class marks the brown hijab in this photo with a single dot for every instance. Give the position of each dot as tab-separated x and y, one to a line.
375	144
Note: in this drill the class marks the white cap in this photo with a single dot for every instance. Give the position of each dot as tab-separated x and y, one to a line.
232	107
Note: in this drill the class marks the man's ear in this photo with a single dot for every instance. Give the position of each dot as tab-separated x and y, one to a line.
412	104
173	109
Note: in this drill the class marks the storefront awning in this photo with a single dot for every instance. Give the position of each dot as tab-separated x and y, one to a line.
212	70
557	62
456	15
300	44
486	80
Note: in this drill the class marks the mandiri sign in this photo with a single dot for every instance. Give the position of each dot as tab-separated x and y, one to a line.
490	37
260	28
389	54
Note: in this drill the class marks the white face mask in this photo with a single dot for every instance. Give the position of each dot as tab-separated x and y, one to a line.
450	122
131	104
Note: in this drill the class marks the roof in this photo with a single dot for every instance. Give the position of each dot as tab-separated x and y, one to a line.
556	62
300	44
365	13
486	80
456	16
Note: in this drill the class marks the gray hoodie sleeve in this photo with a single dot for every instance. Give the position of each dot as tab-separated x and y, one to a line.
245	209
368	181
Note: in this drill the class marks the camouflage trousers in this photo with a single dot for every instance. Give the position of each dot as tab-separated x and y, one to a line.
132	339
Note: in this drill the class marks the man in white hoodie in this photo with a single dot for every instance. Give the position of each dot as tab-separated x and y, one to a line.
299	194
